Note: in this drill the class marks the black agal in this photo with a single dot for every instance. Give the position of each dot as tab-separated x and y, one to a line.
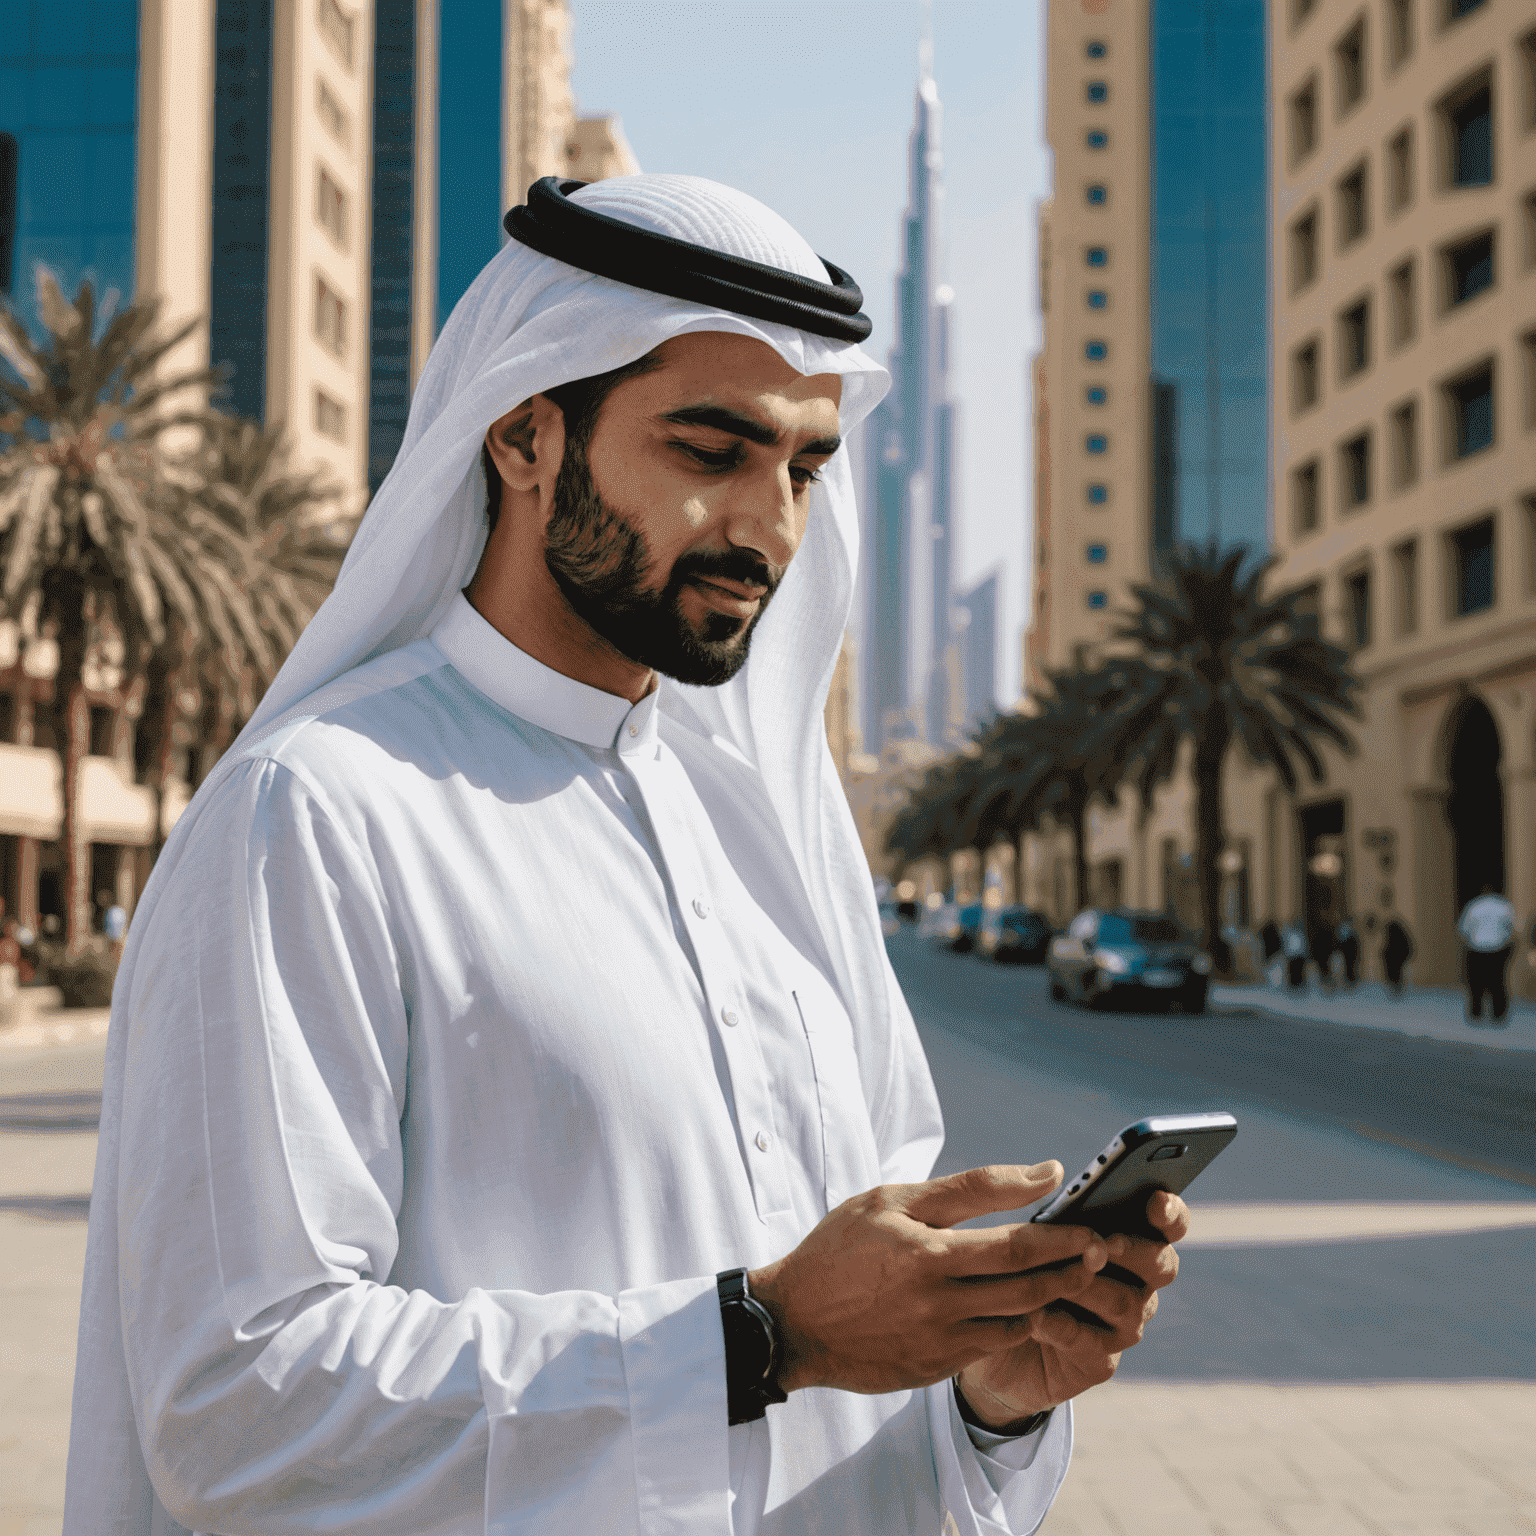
582	237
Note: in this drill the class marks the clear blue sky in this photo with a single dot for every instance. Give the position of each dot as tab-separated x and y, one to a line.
807	104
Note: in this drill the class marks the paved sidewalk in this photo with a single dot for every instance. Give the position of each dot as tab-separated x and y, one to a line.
36	1019
1437	1013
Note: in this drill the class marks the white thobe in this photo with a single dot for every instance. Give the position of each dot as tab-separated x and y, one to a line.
480	1025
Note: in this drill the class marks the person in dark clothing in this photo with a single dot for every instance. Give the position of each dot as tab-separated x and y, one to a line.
1396	949
1323	946
1295	945
1349	948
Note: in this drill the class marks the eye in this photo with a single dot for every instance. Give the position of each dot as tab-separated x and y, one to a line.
807	477
710	458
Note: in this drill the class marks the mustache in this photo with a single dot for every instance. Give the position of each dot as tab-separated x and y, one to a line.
732	564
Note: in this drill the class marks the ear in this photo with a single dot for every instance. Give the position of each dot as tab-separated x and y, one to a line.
527	445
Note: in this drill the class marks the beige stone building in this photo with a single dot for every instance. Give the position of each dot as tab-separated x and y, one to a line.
282	180
1403	198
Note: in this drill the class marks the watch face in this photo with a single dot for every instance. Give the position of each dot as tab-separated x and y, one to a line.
748	1340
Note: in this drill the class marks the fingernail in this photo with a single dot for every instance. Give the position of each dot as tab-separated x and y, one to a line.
1117	1246
1095	1256
1040	1170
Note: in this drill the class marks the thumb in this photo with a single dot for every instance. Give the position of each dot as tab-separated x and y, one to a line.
979	1192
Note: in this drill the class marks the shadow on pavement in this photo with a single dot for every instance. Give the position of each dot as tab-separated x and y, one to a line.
48	1207
49	1111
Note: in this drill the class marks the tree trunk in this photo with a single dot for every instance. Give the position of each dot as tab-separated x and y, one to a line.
1076	812
72	728
1210	838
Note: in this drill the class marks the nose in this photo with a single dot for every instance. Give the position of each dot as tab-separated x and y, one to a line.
763	516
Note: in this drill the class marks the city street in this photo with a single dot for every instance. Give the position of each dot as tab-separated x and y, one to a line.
1351	1345
1350	1348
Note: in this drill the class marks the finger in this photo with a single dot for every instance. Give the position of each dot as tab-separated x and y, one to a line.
1140	1262
1169	1215
1113	1308
1014	1295
1007	1250
979	1192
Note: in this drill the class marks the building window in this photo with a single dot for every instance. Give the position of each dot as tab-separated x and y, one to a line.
1098	599
1096	351
1096	138
1528	359
1097	256
1349	66
1306	503
102	722
1097	554
330	318
1098	299
1098	91
1472	568
1468	267
1456	9
1303	116
1469	412
1402	303
1301	9
1399	32
1357	608
1304	251
1405	572
1530	231
1400	171
1309	609
1528	507
331	207
1466	126
1097	195
336	27
1403	434
330	417
1527	47
1096	49
1355	472
1096	442
1355	339
1305	380
1352	206
1096	394
1097	495
332	114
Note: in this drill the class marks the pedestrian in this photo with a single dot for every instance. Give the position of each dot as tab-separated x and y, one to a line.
1294	944
1487	929
1348	939
1396	951
1274	960
114	920
1323	946
509	1106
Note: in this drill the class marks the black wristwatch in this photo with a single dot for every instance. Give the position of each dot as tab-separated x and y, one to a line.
751	1350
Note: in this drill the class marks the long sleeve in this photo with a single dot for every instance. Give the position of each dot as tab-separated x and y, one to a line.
281	1383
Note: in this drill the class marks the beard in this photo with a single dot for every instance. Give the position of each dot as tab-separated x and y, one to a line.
599	559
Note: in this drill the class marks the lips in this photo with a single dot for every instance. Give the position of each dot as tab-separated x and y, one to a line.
738	598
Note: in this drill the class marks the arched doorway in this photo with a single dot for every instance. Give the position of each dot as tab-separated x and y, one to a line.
1474	806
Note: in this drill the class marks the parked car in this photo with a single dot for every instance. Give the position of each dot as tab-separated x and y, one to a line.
1015	933
1129	956
969	928
953	926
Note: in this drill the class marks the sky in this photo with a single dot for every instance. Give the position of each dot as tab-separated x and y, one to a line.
807	105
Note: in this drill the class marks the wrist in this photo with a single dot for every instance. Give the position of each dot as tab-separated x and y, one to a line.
789	1364
994	1415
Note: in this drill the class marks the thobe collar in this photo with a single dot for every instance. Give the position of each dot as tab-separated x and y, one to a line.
510	677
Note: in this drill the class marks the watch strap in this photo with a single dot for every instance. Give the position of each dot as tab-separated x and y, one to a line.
751	1350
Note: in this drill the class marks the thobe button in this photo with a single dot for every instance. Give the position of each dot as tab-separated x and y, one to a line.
701	906
730	1016
763	1141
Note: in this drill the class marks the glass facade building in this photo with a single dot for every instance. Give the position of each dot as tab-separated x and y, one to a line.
1209	273
68	112
468	147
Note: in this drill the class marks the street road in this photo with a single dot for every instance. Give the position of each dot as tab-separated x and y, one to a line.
1351	1344
1350	1348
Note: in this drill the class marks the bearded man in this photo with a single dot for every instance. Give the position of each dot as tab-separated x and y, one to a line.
511	1120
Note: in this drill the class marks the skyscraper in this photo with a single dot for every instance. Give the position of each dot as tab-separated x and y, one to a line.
977	613
1154	284
911	473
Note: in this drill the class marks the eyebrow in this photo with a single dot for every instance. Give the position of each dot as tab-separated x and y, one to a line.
738	424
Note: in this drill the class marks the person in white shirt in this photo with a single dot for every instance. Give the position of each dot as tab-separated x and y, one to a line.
511	1121
1487	928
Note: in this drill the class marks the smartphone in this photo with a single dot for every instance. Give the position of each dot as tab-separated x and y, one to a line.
1163	1152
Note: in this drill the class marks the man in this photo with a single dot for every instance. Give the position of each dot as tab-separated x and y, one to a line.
1396	948
1487	928
511	1120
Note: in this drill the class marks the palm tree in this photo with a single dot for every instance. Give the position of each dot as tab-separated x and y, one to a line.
105	527
1222	664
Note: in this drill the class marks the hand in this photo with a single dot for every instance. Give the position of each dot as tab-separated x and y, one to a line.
1064	1354
882	1295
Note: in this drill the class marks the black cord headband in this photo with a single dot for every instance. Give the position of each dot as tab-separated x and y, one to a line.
582	237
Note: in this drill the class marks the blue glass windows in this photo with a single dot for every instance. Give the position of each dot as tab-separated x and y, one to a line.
1098	494
1096	554
1097	194
1098	599
1096	256
1468	117
1097	394
1472	564
1096	351
1096	138
1096	49
1098	299
1098	91
1469	400
1096	442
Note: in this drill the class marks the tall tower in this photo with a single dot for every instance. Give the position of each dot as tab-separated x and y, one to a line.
911	464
